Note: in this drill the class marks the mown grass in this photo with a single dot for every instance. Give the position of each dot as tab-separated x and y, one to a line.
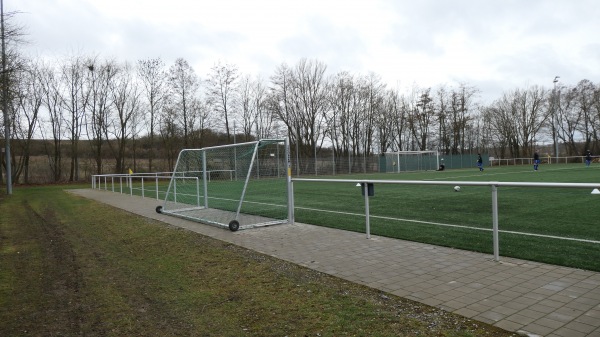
70	266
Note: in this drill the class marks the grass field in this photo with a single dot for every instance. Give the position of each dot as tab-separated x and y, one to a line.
73	267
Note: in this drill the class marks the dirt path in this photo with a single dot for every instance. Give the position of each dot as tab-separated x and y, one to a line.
58	280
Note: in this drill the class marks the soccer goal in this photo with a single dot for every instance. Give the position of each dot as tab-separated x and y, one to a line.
403	161
235	186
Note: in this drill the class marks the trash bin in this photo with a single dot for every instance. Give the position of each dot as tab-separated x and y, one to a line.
370	189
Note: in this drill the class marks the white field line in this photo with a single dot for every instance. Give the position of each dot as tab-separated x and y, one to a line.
450	225
488	174
249	202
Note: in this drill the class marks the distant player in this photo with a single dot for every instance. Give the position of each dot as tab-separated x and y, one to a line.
479	162
588	158
536	160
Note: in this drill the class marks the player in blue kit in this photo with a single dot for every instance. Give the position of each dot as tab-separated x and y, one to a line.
536	161
588	158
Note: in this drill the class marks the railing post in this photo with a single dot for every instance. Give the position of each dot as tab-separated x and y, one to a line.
288	180
205	176
291	201
495	222
142	186
367	216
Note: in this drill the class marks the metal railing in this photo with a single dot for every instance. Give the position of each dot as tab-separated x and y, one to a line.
126	181
544	159
103	181
493	184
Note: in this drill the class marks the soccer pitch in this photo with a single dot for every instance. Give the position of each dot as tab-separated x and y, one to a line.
553	225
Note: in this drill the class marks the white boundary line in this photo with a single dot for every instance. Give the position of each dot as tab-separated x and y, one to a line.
450	225
494	173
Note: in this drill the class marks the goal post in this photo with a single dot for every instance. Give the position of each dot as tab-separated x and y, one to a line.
403	161
238	186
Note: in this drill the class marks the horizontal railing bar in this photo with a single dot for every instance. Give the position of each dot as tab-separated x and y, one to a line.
463	183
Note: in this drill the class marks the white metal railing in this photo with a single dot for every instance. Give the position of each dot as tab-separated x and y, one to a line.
544	159
493	184
102	182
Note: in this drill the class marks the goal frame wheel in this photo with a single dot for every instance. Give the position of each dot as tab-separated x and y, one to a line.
159	209
234	225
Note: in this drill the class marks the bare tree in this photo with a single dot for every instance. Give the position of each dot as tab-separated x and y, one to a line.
221	92
12	63
443	124
596	110
28	102
98	101
372	90
53	103
568	118
420	118
531	116
338	120
183	86
169	134
301	102
153	76
584	91
265	125
517	118
126	101
246	107
72	74
397	107
256	118
462	109
280	101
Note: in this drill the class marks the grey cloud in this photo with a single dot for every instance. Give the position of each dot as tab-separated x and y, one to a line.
338	47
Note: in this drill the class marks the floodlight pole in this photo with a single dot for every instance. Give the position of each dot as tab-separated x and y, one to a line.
5	106
555	117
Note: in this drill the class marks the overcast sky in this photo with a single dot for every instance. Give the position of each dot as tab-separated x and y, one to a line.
495	45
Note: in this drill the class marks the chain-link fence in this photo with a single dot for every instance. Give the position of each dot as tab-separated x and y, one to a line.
330	165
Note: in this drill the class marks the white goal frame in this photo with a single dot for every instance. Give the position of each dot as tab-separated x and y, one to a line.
197	189
399	161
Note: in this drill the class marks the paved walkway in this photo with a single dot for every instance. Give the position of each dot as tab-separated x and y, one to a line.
516	295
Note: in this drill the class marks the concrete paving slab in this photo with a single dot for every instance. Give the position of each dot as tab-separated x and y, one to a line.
522	296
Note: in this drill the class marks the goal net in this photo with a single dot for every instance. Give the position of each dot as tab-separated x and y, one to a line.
403	161
238	186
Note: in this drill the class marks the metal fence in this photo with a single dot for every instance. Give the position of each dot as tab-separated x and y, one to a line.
148	185
332	165
543	159
127	183
368	185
